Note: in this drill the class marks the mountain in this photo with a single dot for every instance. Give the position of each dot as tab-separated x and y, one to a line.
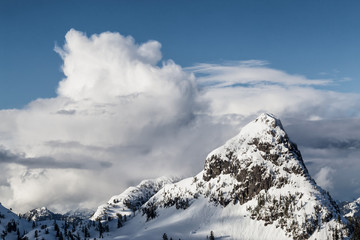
351	209
255	186
131	199
12	226
41	223
80	213
40	214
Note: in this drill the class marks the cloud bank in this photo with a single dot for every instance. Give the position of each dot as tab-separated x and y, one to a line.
123	114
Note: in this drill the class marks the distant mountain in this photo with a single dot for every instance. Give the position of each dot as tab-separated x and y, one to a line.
41	223
80	213
41	214
351	209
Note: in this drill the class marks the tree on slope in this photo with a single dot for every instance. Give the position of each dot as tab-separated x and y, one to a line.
212	235
165	237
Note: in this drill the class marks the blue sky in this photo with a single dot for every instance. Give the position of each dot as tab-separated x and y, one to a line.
318	39
102	104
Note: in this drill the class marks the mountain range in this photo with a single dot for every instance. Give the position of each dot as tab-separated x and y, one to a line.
255	186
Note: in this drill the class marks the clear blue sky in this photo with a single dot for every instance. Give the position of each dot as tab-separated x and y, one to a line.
303	37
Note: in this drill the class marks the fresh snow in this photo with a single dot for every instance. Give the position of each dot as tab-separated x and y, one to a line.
131	199
351	209
255	186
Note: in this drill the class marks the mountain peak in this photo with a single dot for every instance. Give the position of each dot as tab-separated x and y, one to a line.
42	213
268	119
262	145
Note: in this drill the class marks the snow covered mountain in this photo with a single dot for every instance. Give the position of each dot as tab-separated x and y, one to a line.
351	209
40	214
255	186
80	213
131	199
41	223
12	226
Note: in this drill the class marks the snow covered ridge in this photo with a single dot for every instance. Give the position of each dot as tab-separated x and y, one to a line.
131	199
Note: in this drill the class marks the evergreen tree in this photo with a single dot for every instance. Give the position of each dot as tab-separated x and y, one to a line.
212	235
18	234
86	232
56	227
36	234
61	236
165	237
70	236
356	233
3	234
66	225
119	224
336	234
101	229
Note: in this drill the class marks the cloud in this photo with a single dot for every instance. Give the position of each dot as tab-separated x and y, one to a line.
324	179
66	112
248	88
109	66
117	106
123	114
44	162
248	73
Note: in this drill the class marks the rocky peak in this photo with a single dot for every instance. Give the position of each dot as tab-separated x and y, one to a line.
40	214
262	145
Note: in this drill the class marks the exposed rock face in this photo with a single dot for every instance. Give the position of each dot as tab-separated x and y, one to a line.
261	146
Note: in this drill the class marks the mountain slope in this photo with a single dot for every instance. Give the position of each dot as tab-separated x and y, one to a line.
255	186
351	209
131	199
11	225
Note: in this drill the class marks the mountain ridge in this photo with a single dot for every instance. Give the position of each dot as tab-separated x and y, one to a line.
255	186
